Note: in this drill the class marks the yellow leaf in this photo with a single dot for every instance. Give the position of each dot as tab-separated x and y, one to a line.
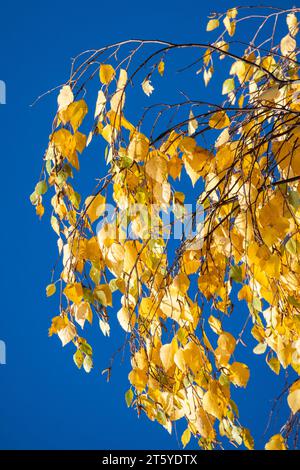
222	46
74	113
138	147
147	307
95	206
50	290
156	168
107	73
215	401
118	99
276	442
242	70
232	13
138	378
186	437
227	342
239	374
74	292
247	439
287	45
245	293
228	86
40	210
103	294
78	358
167	352
174	167
57	324
226	346
126	319
219	120
229	25
80	140
65	143
212	24
223	138
274	364
67	334
55	225
294	400
215	324
82	312
161	67
292	23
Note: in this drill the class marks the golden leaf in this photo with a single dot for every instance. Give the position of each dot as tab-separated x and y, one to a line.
212	24
74	292
138	378
107	73
74	114
276	442
95	206
219	120
161	67
239	374
50	290
294	400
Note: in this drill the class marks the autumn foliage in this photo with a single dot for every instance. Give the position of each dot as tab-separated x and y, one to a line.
242	157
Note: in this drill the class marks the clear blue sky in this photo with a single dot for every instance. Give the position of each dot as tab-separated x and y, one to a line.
45	402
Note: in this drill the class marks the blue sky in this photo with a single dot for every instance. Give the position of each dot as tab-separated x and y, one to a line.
45	402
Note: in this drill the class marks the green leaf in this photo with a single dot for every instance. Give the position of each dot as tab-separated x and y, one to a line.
234	407
161	417
292	246
294	199
41	188
75	198
78	358
48	166
293	301
86	348
88	295
34	198
129	397
224	380
228	86
236	273
256	304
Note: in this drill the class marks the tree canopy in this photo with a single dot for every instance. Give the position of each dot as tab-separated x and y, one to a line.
176	272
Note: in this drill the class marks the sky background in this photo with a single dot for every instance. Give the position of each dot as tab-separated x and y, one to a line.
45	401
